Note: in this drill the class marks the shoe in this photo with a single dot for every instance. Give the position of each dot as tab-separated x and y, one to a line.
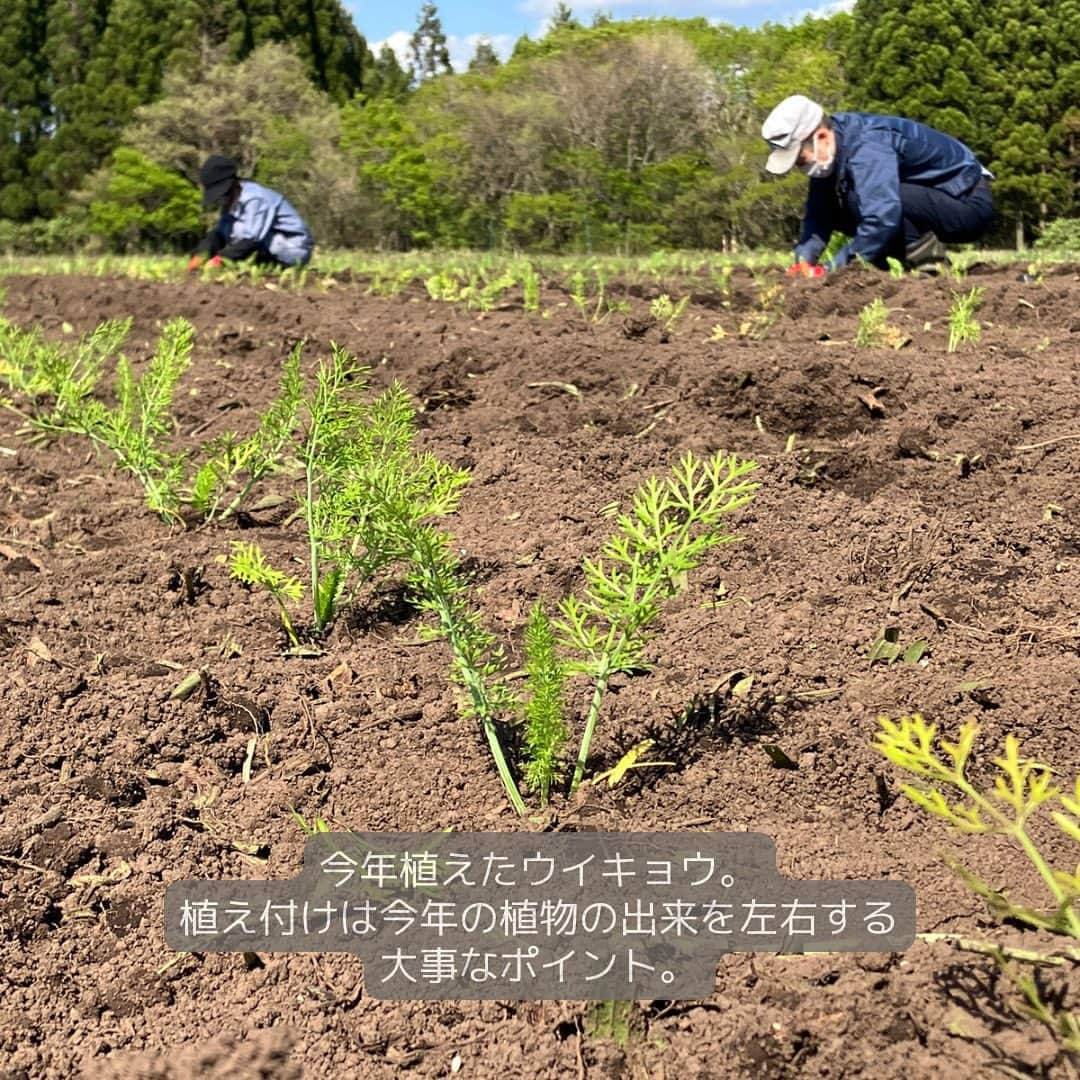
927	249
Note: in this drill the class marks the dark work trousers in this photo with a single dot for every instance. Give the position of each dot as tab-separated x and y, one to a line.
927	209
956	221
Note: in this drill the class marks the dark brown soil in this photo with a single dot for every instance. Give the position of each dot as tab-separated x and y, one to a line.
930	491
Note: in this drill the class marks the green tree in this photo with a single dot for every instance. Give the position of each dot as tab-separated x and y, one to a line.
25	112
387	78
562	18
408	159
625	135
142	205
121	69
321	34
428	45
485	59
1002	78
1026	45
72	73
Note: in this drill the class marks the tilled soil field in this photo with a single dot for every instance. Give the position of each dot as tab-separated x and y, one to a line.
913	488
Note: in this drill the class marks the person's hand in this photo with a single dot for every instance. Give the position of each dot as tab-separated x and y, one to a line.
194	263
805	269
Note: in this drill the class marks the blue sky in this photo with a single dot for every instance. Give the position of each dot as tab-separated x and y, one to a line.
502	22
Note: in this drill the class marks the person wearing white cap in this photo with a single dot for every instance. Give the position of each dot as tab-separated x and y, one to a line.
898	188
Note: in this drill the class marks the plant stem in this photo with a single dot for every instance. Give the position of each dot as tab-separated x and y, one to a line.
1016	830
599	690
989	948
478	693
287	623
313	546
1065	902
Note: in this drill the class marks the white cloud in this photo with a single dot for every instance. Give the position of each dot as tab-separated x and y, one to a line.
582	9
823	11
399	44
461	48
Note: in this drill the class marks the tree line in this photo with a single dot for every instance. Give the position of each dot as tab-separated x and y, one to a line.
618	136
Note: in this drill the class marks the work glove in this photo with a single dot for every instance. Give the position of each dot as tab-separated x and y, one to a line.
805	269
196	262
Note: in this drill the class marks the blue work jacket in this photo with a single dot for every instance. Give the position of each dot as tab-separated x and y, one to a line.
874	156
265	220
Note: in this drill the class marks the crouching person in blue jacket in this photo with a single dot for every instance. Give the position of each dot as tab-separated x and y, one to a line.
898	188
255	223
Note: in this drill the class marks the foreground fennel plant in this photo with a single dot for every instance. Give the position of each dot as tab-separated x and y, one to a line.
438	585
362	486
57	378
1021	788
60	379
546	731
137	427
671	525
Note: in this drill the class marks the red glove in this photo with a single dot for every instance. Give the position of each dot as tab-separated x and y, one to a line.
805	269
194	263
216	261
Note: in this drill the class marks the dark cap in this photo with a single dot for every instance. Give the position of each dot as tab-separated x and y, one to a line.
217	177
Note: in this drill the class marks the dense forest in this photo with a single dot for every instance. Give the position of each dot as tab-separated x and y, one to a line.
625	136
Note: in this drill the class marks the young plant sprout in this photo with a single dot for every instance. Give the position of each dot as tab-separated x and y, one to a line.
667	313
136	428
1020	789
363	484
875	330
248	565
58	379
671	525
221	485
963	326
546	732
578	294
437	585
530	288
872	322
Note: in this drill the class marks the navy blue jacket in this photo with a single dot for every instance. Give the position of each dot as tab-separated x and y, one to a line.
874	156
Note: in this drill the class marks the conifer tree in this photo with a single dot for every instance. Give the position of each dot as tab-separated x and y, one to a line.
995	76
485	59
321	33
562	18
386	77
25	113
428	45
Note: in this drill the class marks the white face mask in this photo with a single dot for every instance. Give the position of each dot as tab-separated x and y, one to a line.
819	170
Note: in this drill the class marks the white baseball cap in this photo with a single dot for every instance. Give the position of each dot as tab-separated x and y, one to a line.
788	126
